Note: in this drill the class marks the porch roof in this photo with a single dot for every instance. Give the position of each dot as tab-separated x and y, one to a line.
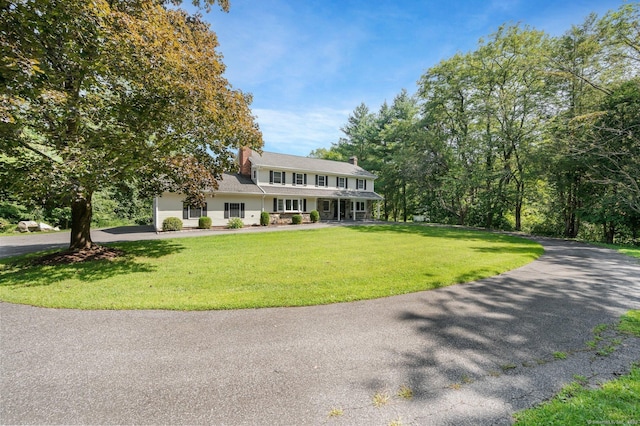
306	191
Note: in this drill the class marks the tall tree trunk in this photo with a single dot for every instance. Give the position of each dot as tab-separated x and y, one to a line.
404	200
571	223
609	232
81	212
518	204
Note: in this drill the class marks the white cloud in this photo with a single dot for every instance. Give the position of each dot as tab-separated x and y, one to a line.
300	132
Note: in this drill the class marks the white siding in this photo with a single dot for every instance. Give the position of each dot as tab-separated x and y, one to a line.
170	205
252	208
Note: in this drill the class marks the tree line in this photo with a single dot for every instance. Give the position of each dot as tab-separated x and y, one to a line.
527	132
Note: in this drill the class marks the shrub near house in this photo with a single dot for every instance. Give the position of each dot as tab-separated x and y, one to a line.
204	222
171	224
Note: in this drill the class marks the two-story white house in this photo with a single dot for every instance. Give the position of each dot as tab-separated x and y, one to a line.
282	185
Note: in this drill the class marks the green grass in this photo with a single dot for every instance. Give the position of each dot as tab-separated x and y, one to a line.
624	249
616	402
255	270
630	251
630	323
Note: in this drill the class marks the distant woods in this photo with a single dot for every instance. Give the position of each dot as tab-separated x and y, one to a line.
528	132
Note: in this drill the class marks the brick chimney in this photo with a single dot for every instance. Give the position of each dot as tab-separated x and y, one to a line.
243	160
353	160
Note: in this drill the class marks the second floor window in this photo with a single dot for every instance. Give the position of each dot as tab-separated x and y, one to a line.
321	180
299	179
341	182
277	177
361	184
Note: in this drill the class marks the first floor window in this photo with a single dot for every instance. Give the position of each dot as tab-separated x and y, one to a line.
233	210
290	205
360	206
326	205
193	212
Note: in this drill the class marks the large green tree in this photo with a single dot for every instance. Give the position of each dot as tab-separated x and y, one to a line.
103	92
450	152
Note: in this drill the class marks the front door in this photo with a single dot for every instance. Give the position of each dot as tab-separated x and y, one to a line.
343	208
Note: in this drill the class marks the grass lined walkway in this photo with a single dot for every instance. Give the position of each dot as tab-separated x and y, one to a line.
269	269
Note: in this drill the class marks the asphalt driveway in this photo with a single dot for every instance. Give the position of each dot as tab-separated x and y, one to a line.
472	354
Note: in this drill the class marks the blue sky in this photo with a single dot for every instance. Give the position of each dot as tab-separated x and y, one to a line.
309	63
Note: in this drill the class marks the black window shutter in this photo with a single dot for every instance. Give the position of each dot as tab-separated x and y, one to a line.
226	210
242	210
305	178
316	180
284	178
204	210
275	205
293	180
185	211
365	184
337	181
270	176
346	182
326	181
304	204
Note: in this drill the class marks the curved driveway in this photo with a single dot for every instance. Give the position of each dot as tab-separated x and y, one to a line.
472	354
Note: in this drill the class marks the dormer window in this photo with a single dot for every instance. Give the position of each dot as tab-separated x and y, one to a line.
277	177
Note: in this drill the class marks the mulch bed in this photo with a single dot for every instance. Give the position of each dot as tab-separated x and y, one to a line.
95	252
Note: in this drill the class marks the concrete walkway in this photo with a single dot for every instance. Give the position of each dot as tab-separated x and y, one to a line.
472	354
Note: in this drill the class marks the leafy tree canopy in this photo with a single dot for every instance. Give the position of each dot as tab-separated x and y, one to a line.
106	92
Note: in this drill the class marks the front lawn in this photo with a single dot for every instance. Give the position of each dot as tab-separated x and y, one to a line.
256	270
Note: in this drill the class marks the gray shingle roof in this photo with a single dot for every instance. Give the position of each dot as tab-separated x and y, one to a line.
295	162
312	191
237	184
240	184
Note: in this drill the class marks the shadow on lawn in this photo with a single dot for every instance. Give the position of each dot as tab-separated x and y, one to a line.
20	273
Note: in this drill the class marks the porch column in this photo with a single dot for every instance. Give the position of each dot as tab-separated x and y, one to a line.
338	209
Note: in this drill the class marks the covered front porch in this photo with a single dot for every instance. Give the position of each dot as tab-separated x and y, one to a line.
345	209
